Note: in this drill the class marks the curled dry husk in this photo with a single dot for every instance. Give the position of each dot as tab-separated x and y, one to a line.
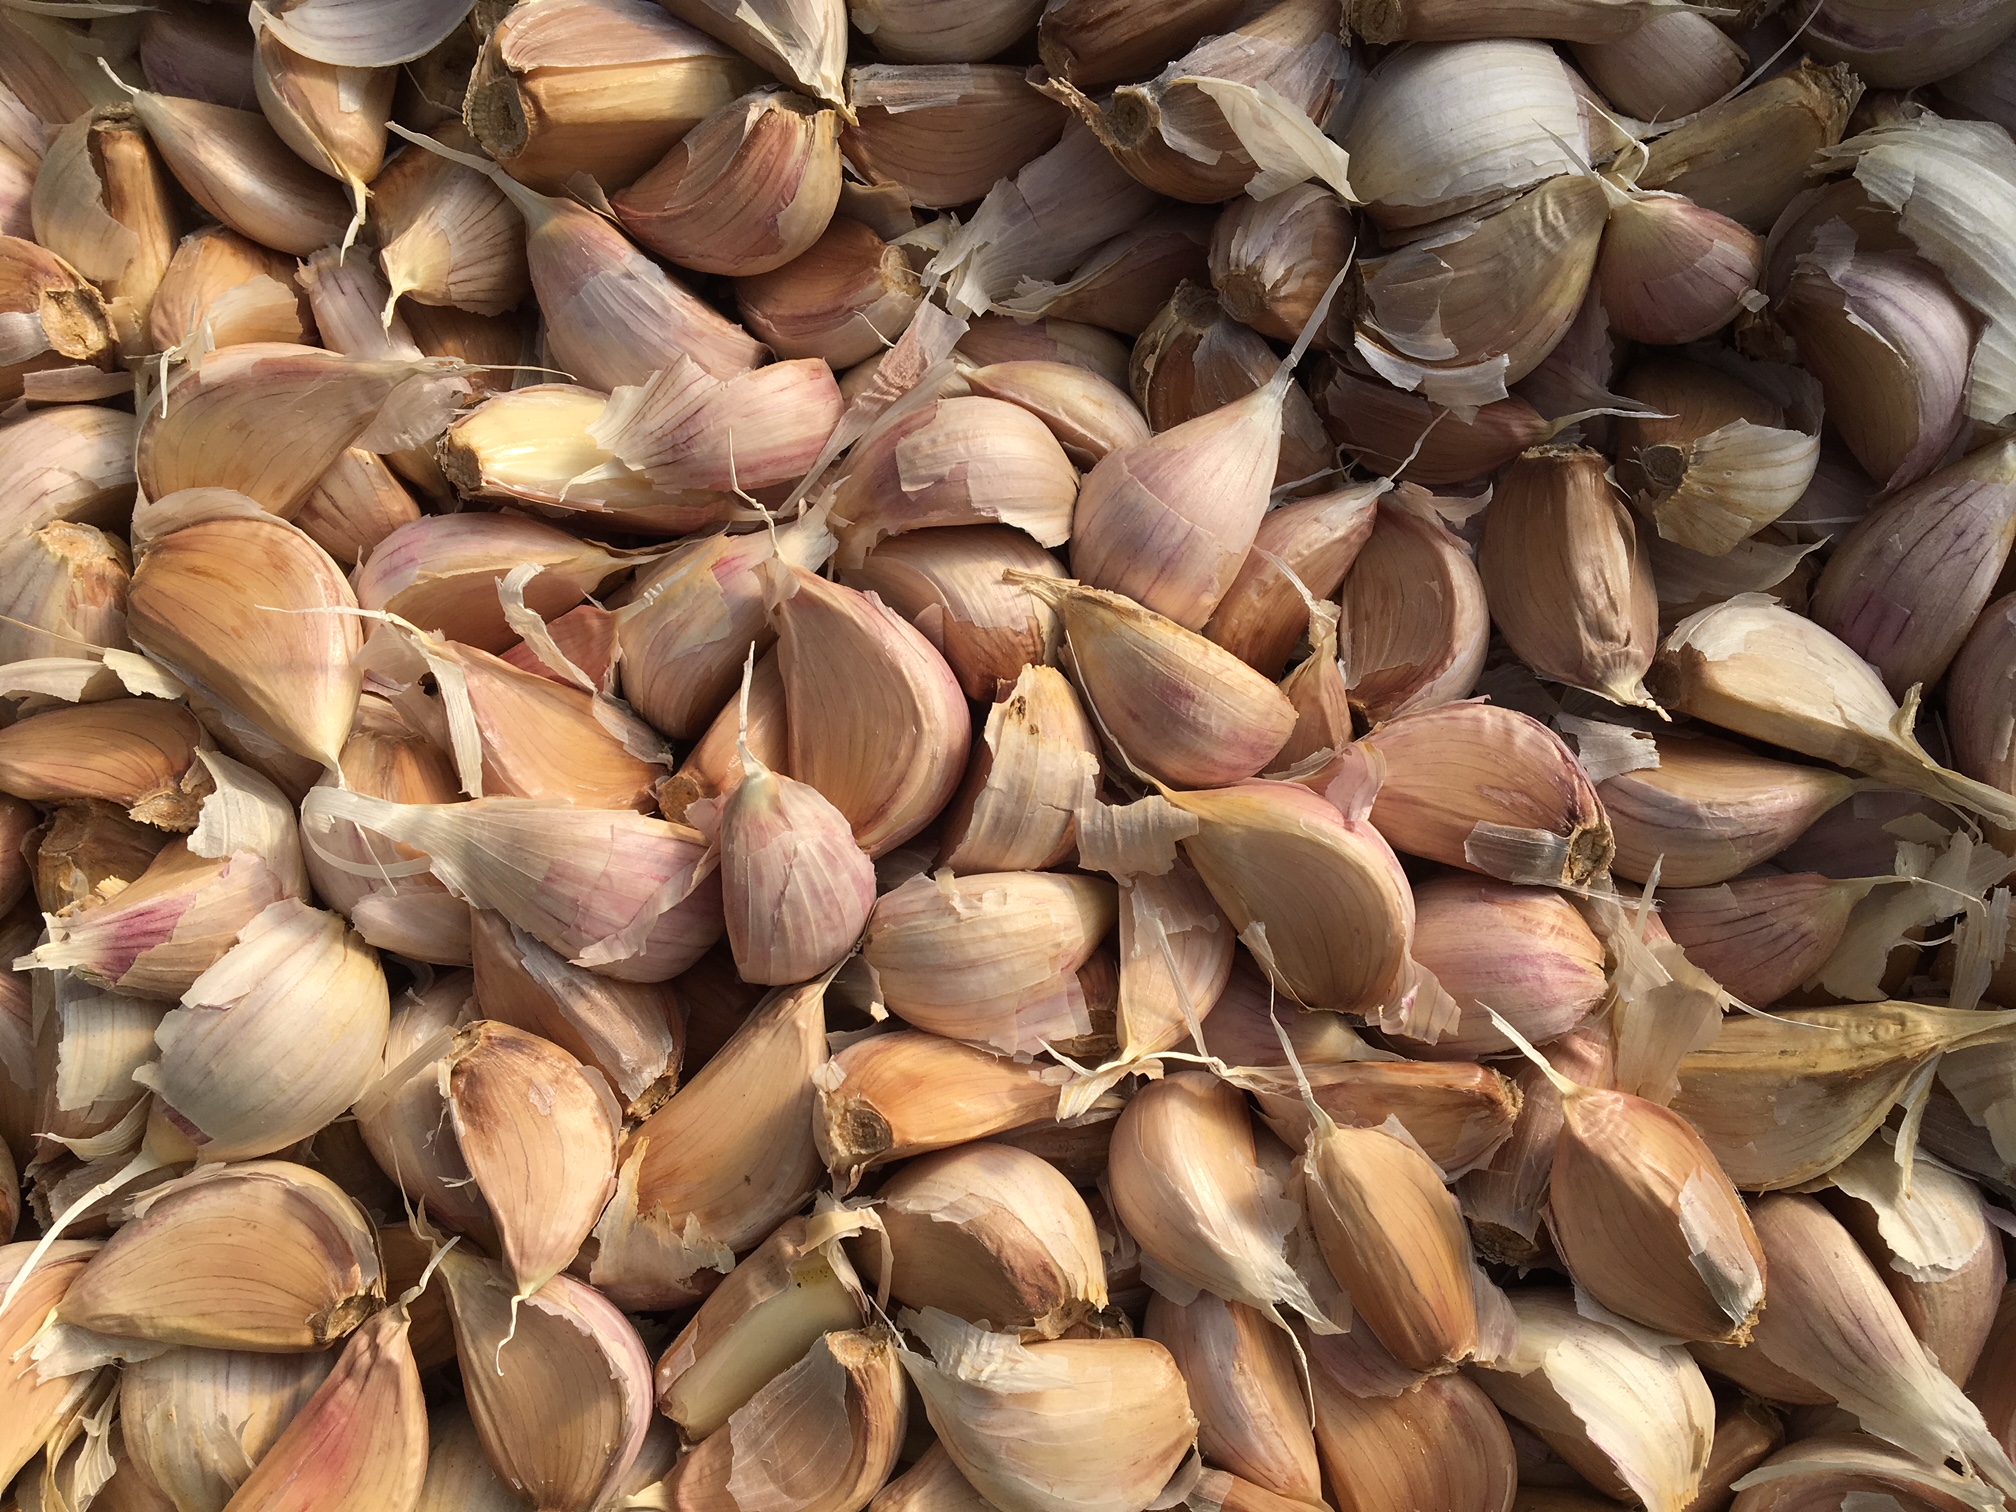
1017	1419
1755	667
722	1163
609	889
1415	626
1447	796
1630	1412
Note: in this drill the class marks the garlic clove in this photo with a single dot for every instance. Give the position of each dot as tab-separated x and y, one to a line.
802	42
840	299
714	765
1669	67
1979	706
196	1421
71	462
1272	259
82	848
1505	1199
1761	937
233	287
1459	1112
354	506
331	114
1671	272
459	1477
945	134
1262	616
1403	435
1089	416
101	204
1036	766
1828	1466
447	236
1415	625
1240	1371
136	753
55	316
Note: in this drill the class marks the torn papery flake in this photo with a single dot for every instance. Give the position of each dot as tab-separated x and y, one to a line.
1134	839
1931	1220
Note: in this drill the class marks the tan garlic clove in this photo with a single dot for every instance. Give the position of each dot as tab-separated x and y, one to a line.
631	1032
446	235
759	1322
1669	67
82	847
1241	1031
1979	706
745	191
1568	580
37	1404
1994	1381
1783	1100
137	753
892	1096
188	51
1459	315
1751	666
1272	259
1402	435
854	676
1019	1419
1241	1374
355	505
688	432
945	134
1933	1244
1095	45
1321	893
332	115
1903	588
1263	615
1670	271
72	462
196	1421
1890	345
1711	810
802	42
56	317
238	168
1900	46
101	204
1630	1413
288	1251
690	618
1440	21
843	1403
250	610
566	1337
1416	624
1523	952
1391	1439
1036	766
608	889
722	1163
1001	338
1505	1198
1124	283
960	461
841	299
1450	796
1089	416
953	584
1760	937
597	87
63	586
1137	668
230	287
1831	1322
1745	156
942	31
1186	1180
991	1234
992	957
932	1484
1711	490
459	1477
714	765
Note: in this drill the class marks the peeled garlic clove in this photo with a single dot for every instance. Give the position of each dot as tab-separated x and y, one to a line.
242	291
1933	1244
892	1096
959	461
290	1252
631	1032
1490	790
1760	937
137	753
36	1405
1783	1100
595	87
1415	625
446	234
1389	1439
759	1322
1754	667
991	957
1262	616
236	166
101	204
855	675
1523	952
1669	67
1240	1371
1209	1218
745	191
1744	157
1568	579
840	299
1393	1236
1631	1414
1711	810
1890	345
197	1420
565	1337
1038	764
945	134
951	583
1018	1420
802	42
361	1438
1904	587
722	1163
1832	1322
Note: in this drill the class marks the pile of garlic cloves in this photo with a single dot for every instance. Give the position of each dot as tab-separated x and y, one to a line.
1007	755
